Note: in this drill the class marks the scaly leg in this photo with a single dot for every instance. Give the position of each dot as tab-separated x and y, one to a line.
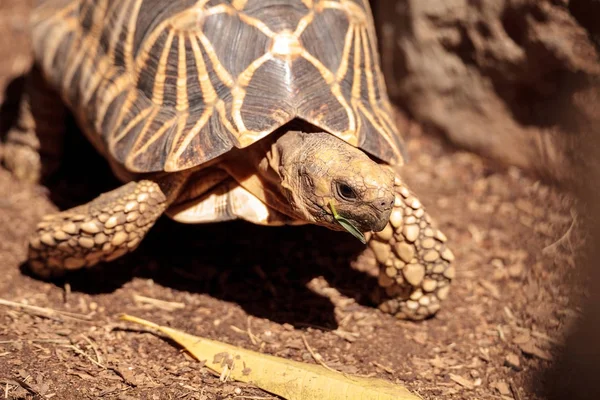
104	229
414	262
34	146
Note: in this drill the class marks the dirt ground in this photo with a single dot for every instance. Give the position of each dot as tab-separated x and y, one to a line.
508	313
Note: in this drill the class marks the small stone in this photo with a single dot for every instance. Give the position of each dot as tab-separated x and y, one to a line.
428	243
405	251
106	247
143	207
431	256
411	232
428	232
86	242
382	251
47	239
132	236
396	218
512	360
442	293
399	280
398	202
397	181
142	197
404	192
450	273
414	273
118	208
447	255
74	262
429	285
130	206
515	270
133	243
391	272
70	228
386	234
419	213
78	217
129	227
530	348
424	301
119	239
90	227
103	218
502	388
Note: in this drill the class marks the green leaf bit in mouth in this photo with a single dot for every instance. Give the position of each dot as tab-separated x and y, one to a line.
347	225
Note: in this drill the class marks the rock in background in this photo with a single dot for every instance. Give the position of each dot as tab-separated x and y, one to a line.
509	79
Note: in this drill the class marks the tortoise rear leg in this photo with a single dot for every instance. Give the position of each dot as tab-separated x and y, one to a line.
104	229
34	146
414	262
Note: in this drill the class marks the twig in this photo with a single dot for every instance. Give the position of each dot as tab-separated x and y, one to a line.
45	312
383	367
24	385
94	348
55	341
67	293
514	390
317	359
162	304
253	338
83	353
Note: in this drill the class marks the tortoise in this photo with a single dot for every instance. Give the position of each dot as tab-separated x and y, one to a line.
270	111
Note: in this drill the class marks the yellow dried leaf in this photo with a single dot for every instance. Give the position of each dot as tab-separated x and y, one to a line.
289	379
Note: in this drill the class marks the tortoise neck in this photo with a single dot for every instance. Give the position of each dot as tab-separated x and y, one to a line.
256	169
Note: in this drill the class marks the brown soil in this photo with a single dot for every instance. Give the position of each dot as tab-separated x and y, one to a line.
508	313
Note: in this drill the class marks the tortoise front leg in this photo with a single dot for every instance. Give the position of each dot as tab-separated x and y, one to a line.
34	145
414	262
104	229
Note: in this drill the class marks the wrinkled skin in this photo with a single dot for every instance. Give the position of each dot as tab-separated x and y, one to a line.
318	169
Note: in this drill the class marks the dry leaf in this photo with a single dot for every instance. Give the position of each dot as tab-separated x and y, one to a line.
289	379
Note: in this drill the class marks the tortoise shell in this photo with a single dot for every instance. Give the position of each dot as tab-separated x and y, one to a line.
166	86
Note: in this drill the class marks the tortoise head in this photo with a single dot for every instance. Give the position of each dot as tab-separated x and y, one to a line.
321	175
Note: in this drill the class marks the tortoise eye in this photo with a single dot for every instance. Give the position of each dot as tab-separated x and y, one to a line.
346	192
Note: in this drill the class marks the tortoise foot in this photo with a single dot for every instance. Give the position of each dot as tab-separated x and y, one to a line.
104	229
23	161
414	262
